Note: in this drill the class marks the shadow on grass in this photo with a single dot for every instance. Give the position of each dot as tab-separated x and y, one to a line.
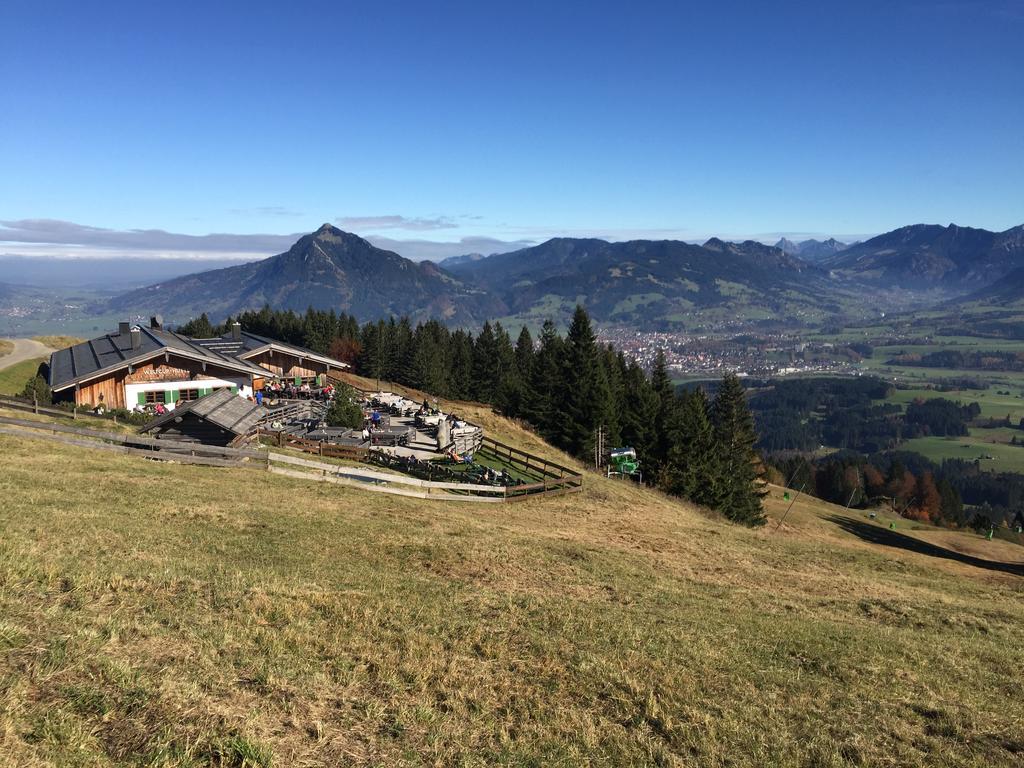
889	538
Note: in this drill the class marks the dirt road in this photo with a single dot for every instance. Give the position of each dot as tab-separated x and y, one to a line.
24	349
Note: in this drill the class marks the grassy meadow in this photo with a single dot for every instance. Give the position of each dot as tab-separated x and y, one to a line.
157	614
6	347
13	378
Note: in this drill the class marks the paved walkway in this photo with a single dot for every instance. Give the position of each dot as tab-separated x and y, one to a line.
24	349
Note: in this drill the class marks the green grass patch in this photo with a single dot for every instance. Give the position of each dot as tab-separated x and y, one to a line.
13	378
993	456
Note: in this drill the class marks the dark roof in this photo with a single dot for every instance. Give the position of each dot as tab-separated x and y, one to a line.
222	408
114	350
250	342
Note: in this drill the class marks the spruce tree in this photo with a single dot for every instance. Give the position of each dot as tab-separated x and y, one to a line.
541	409
343	410
693	466
583	399
485	365
665	416
741	473
616	394
638	410
461	375
509	389
513	394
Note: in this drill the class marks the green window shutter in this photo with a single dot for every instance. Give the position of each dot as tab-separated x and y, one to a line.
142	398
298	381
320	380
234	389
168	396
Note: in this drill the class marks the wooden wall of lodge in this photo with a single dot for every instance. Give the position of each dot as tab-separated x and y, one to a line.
287	366
156	371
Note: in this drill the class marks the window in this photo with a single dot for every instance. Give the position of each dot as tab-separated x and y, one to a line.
154	396
188	394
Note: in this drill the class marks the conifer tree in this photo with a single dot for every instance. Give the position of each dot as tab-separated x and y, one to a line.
638	410
693	468
485	365
428	370
541	409
461	376
524	354
741	472
583	399
616	394
665	416
511	387
343	410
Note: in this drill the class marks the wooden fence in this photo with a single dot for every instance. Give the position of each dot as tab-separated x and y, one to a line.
215	456
130	443
318	447
556	478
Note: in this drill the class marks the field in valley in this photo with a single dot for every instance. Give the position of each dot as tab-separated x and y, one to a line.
161	614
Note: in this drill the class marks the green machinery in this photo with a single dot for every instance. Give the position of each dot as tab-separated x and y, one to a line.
624	463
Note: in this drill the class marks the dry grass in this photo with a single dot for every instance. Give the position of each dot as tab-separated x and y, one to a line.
158	614
58	342
6	347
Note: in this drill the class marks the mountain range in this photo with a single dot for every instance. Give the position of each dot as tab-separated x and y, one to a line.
326	269
956	259
811	250
638	282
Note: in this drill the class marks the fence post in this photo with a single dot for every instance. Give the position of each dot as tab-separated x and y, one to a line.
74	412
35	404
280	439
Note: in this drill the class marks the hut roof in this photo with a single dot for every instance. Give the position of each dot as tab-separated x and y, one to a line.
222	408
105	354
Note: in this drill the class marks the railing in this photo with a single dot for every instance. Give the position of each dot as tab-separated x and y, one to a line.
33	406
362	477
552	478
283	439
126	442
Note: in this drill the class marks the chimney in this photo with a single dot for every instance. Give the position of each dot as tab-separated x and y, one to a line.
156	322
123	327
136	338
236	331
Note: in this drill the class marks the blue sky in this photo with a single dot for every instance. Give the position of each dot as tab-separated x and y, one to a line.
478	123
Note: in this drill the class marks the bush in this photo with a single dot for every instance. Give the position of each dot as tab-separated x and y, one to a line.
37	388
125	416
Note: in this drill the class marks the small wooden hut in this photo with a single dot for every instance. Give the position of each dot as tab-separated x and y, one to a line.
222	418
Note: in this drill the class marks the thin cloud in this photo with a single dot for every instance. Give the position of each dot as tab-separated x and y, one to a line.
53	238
430	250
57	232
395	221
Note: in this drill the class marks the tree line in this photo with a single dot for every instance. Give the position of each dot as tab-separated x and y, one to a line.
845	413
954	494
565	387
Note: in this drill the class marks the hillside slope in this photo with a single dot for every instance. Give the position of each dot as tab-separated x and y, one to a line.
644	281
957	259
328	269
192	616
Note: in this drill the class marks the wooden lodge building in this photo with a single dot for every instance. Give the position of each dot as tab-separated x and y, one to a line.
140	365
